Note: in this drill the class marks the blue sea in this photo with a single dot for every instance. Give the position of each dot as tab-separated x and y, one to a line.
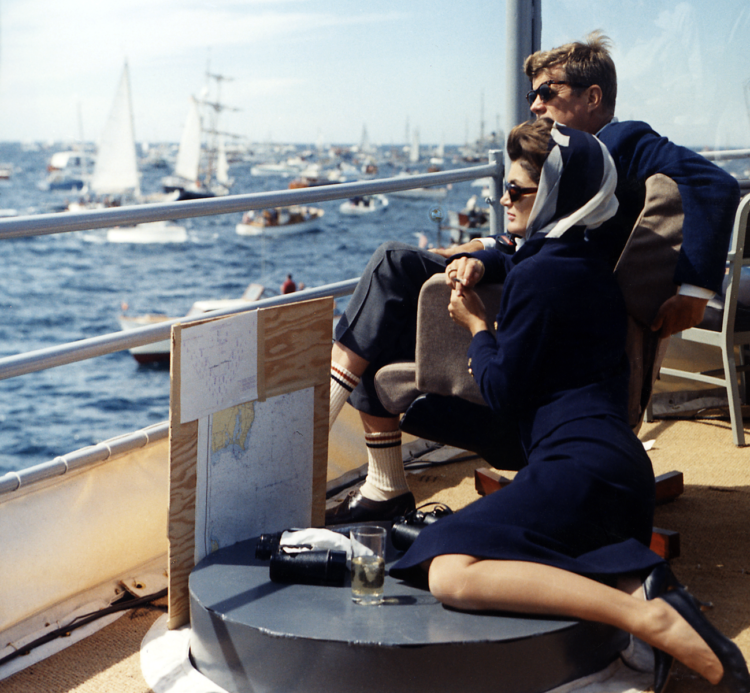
66	287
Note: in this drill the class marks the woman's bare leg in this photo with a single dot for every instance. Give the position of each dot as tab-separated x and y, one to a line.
465	582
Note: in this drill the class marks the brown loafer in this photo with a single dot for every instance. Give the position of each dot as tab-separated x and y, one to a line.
356	508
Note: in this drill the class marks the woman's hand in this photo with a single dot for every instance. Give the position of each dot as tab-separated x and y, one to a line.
467	310
464	273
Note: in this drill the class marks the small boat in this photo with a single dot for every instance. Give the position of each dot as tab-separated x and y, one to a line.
68	171
432	193
472	221
429	193
149	232
314	176
158	353
280	221
364	204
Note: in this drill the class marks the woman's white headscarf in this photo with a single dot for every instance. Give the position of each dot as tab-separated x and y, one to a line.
576	187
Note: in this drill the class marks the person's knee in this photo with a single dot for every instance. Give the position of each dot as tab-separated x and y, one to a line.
385	249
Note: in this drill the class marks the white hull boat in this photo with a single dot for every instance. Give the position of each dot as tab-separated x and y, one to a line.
436	193
366	204
159	351
149	232
281	221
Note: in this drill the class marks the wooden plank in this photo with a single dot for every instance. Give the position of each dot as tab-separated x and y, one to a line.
666	543
183	445
294	351
297	351
669	486
488	480
320	454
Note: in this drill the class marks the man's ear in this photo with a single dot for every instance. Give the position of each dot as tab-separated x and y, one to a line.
594	97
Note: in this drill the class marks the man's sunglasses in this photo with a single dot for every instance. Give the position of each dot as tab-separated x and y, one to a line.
544	92
515	192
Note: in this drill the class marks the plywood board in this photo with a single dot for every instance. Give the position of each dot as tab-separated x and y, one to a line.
293	359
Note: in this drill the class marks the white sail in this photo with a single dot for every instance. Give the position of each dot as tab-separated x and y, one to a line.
189	154
414	152
116	168
222	166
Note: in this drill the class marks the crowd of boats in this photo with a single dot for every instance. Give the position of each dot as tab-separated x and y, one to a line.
109	174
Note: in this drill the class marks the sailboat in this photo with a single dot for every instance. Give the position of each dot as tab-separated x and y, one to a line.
116	177
116	167
189	179
185	175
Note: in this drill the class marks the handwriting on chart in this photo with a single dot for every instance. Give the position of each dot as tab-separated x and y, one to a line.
219	365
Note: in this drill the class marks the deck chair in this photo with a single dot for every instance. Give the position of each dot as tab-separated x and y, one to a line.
726	325
440	400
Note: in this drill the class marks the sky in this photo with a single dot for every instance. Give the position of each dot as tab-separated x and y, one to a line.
323	70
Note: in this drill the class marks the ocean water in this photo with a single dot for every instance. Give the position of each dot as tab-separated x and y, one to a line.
62	288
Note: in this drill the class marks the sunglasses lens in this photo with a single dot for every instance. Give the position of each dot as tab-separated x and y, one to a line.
545	93
514	192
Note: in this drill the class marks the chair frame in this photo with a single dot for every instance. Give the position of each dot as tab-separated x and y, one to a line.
726	339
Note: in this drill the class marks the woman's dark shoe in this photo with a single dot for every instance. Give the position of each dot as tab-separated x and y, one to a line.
658	582
736	677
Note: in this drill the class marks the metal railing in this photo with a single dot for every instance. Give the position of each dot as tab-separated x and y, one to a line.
51	357
45	224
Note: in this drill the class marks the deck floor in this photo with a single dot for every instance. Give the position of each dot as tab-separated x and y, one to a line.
711	517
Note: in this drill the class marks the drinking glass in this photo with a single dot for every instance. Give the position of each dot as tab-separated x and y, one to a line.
368	564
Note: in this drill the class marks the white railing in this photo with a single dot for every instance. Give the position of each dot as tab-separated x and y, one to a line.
51	357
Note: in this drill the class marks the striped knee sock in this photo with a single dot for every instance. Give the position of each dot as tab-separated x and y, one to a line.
342	384
385	472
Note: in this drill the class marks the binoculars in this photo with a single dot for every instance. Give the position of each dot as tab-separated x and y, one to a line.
301	565
406	529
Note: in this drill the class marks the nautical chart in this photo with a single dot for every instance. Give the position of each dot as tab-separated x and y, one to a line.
258	475
248	432
219	365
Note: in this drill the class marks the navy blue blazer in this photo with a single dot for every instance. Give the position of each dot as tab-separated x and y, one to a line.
559	354
709	195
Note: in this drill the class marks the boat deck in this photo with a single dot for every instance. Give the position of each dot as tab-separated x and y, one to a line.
711	517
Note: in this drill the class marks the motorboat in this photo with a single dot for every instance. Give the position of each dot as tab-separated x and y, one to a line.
364	204
280	221
68	171
159	352
472	221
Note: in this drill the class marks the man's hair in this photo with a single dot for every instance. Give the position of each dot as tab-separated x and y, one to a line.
584	62
529	144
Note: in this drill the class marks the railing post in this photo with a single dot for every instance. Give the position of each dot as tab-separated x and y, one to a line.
497	220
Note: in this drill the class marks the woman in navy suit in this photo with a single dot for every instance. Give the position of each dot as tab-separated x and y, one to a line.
575	524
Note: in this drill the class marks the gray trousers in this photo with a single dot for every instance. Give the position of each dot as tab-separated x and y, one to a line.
380	322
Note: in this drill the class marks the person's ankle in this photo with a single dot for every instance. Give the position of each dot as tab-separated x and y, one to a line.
372	492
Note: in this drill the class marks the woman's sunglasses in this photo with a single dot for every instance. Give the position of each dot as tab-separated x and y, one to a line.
515	192
544	92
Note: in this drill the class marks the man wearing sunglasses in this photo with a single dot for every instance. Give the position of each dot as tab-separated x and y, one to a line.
575	85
